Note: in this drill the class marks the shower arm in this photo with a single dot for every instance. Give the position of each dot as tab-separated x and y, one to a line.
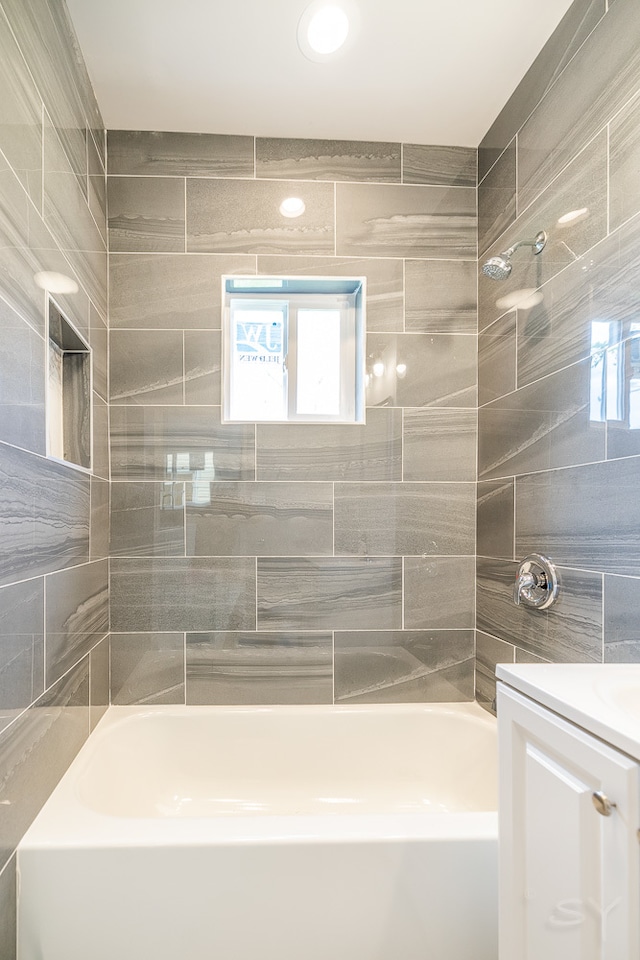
537	243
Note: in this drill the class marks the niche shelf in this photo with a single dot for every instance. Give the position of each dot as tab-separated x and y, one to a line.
68	392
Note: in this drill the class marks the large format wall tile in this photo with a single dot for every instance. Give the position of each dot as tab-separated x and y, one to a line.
425	519
329	594
262	519
447	166
441	296
77	615
147	668
147	519
22	382
226	216
439	444
146	214
99	528
404	666
146	366
621	617
175	594
328	160
257	668
497	359
624	159
439	593
161	154
497	199
21	647
99	680
438	370
405	221
489	652
495	519
202	367
8	911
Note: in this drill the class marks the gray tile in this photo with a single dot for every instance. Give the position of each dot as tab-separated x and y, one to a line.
327	160
147	519
439	166
179	443
147	668
549	423
21	647
329	594
580	19
97	186
624	162
439	593
77	615
36	750
568	632
384	299
619	389
524	656
22	382
202	366
404	666
441	296
497	199
591	518
399	220
168	594
327	452
44	515
384	519
99	531
489	652
599	80
170	290
621	617
259	668
146	366
227	216
497	359
160	154
437	370
495	519
8	911
100	462
146	214
261	519
439	444
98	341
99	679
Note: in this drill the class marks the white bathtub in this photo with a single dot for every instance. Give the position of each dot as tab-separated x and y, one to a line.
277	833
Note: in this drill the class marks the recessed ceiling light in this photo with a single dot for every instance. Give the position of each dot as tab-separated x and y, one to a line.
323	30
292	207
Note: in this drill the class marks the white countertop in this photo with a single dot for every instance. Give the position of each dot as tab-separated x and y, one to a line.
603	699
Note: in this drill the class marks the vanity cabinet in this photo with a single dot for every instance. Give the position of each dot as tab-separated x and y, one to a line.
569	841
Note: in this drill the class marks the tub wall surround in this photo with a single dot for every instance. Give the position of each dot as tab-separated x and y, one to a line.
559	455
288	563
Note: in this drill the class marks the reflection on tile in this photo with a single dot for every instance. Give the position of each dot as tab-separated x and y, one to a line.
444	166
621	378
257	668
21	647
146	214
489	652
497	359
22	381
497	199
326	452
439	593
44	515
441	296
495	519
169	290
591	518
146	366
100	463
169	594
549	423
436	370
147	519
8	911
160	154
327	160
439	444
77	617
226	216
621	618
202	367
261	519
404	666
329	594
401	519
37	749
568	632
99	531
98	337
147	668
397	220
99	675
624	158
384	282
179	443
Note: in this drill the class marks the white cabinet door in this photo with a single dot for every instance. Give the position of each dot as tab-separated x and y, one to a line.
569	876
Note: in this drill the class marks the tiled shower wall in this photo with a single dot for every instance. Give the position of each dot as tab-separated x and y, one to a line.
54	663
323	562
559	349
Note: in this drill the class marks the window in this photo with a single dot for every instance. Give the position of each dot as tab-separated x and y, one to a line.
293	349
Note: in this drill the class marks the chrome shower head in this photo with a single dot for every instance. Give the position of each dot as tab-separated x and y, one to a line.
499	268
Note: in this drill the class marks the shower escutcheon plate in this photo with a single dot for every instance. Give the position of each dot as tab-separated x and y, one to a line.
536	583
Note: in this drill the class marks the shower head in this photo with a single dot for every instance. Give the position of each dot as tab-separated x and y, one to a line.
499	268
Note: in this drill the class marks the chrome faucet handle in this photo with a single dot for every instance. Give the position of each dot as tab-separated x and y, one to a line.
536	583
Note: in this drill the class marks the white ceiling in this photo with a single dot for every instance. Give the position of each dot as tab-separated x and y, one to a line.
419	71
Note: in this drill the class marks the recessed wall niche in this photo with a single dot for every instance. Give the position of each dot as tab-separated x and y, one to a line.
68	392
